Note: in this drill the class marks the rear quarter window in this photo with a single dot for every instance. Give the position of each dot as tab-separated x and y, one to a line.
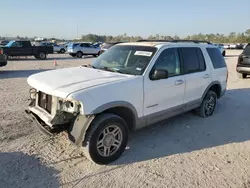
247	50
216	58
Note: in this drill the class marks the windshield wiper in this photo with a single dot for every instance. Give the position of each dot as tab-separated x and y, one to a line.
90	66
111	69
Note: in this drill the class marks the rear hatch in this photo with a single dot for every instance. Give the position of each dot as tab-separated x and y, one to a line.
244	57
71	46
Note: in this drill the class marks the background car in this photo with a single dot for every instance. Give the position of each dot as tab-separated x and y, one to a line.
4	42
59	48
83	48
243	65
107	45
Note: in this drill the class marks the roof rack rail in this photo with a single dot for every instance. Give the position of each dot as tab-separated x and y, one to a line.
194	41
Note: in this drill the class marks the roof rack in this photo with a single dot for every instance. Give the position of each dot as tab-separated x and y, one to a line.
176	41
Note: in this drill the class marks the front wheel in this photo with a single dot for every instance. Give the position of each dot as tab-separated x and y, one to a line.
106	139
208	105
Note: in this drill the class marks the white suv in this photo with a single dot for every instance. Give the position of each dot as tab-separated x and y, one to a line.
129	87
83	48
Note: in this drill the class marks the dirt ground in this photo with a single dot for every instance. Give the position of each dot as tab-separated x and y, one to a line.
185	151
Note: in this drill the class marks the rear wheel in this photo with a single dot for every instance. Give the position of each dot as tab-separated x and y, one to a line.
42	55
79	54
208	105
106	139
241	75
224	53
62	51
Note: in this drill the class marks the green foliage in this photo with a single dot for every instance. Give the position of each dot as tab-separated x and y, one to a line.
215	38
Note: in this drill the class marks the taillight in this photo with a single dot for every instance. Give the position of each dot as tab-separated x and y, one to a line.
1	51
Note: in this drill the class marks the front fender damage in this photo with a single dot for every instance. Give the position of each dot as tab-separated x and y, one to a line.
79	128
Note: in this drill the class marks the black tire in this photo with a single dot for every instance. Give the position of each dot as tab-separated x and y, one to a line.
208	105
5	56
224	53
42	55
241	75
96	55
99	124
79	54
62	51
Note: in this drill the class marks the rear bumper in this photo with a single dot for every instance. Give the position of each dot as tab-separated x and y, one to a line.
240	69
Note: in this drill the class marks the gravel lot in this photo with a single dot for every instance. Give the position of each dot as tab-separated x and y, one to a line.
185	151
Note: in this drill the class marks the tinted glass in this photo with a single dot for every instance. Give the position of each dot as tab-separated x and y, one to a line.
191	57
247	50
169	60
216	58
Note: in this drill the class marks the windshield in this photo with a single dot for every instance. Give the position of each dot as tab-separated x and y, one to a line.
125	59
10	43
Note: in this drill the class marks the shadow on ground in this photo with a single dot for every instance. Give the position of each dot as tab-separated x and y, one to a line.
20	170
187	132
7	74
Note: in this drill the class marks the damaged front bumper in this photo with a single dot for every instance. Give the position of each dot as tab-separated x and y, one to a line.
76	128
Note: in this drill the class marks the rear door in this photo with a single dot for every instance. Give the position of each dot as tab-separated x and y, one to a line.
27	48
196	74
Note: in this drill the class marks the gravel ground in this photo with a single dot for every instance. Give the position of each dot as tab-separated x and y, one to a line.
185	151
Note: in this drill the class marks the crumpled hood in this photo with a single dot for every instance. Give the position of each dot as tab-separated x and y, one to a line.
62	82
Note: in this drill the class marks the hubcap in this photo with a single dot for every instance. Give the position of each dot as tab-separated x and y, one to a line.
109	140
42	55
210	105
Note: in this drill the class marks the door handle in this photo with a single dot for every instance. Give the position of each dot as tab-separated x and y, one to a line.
179	82
206	76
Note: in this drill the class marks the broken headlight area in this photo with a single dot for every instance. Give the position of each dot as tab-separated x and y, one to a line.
70	106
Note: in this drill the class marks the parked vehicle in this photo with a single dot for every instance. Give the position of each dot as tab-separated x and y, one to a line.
3	42
24	48
232	46
243	65
83	48
130	86
226	46
57	48
105	46
3	61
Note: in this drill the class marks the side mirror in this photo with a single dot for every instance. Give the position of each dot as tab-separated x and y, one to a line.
159	74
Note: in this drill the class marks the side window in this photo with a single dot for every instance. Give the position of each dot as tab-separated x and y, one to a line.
246	51
216	58
170	61
17	44
193	60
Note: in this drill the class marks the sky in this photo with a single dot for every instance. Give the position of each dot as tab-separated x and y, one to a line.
72	18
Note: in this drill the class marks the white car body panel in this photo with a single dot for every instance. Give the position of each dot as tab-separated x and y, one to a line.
62	82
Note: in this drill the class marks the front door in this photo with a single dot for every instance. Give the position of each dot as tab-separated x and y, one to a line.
164	98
